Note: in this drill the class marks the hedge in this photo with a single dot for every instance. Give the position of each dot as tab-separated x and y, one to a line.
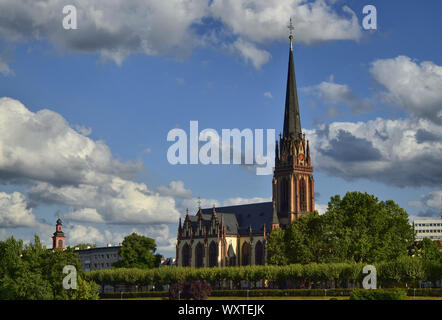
379	294
270	293
403	272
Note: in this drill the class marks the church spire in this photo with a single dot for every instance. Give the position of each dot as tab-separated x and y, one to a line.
292	121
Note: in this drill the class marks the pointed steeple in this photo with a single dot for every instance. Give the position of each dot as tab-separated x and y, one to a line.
292	121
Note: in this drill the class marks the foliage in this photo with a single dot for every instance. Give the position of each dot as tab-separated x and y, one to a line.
427	249
196	290
138	252
357	228
399	272
379	294
33	272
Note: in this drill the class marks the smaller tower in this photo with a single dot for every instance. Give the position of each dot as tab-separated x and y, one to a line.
58	239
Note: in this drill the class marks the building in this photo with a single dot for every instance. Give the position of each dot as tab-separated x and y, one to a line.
428	228
58	239
98	258
236	235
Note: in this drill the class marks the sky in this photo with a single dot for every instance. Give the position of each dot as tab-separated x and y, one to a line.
85	112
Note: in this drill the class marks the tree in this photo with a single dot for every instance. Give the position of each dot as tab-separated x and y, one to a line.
138	252
276	248
356	228
34	272
428	250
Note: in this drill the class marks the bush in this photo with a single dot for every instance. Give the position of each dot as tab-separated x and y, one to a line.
378	294
196	290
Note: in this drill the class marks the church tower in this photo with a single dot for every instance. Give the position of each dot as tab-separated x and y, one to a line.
293	184
58	239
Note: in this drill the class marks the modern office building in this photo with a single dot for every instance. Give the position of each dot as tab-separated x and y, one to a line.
428	228
98	258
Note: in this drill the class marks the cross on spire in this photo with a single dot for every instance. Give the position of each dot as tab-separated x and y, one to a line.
291	28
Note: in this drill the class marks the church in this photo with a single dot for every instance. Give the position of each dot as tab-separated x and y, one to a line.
236	235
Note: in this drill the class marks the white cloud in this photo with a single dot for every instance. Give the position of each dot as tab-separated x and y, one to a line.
4	68
115	29
333	93
268	94
14	211
412	86
112	28
68	168
43	147
394	152
430	204
175	189
249	52
266	20
119	201
321	208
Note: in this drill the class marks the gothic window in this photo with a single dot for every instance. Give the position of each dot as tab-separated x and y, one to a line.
199	255
186	255
60	243
284	195
232	256
213	254
302	196
246	254
259	254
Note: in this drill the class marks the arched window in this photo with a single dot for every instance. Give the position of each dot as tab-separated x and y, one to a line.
232	256
302	199
186	255
213	254
60	243
284	189
259	253
246	254
199	255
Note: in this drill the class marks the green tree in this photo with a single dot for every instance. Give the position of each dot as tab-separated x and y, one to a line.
428	250
367	230
276	248
34	272
138	252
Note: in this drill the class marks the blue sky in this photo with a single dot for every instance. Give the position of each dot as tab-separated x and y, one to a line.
370	103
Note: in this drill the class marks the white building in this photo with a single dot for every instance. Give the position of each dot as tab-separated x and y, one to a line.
428	228
98	258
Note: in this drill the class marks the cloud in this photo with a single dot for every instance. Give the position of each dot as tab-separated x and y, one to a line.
76	234
164	240
430	204
380	150
333	93
118	202
180	81
175	189
42	146
249	52
4	68
112	28
268	94
115	29
67	168
266	20
414	87
14	211
83	130
321	208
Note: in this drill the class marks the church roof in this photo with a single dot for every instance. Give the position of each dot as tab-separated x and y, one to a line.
292	120
238	219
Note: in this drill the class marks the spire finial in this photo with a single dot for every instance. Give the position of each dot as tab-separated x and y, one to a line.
291	28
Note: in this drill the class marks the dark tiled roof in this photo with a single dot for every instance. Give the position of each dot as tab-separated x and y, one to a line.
239	218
